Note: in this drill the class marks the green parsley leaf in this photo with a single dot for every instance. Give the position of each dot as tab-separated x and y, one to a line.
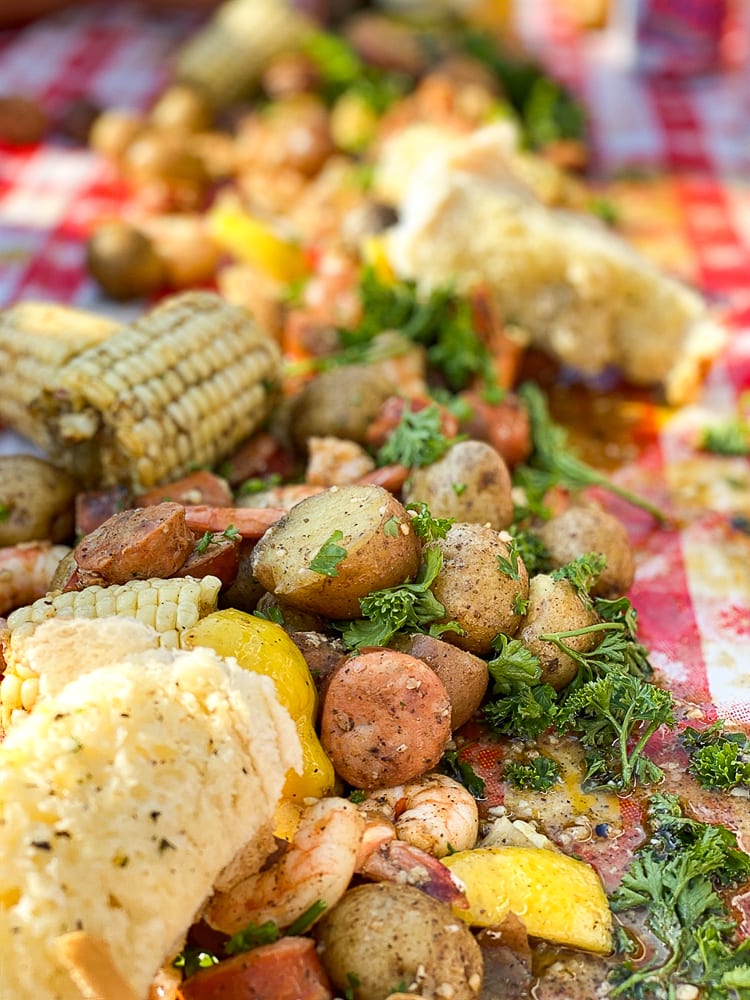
190	960
329	556
427	527
407	607
452	765
508	565
204	542
539	773
531	550
732	437
231	533
273	613
4	511
417	440
305	920
614	716
459	488
252	936
551	456
513	666
718	759
391	527
527	713
583	572
520	604
257	484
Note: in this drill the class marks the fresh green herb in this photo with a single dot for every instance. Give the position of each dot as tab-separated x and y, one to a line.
354	981
459	488
539	773
190	960
674	876
252	936
531	550
391	527
452	765
4	511
342	71
259	483
604	209
732	437
272	613
305	920
718	759
427	527
231	533
583	572
508	565
617	648
614	717
204	542
520	604
417	440
442	322
357	795
551	456
527	712
514	666
409	606
329	555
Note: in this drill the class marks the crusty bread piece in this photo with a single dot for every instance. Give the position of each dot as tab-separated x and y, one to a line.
580	291
122	798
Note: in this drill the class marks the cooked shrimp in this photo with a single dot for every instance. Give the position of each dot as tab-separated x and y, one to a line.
26	572
318	866
335	461
404	864
434	813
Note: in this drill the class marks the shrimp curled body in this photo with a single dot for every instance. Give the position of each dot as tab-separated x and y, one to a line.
317	867
434	813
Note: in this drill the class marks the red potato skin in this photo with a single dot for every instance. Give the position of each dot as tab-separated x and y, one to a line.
386	719
288	969
201	487
136	544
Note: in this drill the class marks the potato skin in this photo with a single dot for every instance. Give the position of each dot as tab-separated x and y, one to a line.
339	403
470	483
386	719
384	934
39	499
474	590
590	529
464	675
381	546
554	606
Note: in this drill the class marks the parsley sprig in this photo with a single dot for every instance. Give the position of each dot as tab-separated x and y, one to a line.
329	555
407	607
417	439
538	774
552	462
674	876
718	759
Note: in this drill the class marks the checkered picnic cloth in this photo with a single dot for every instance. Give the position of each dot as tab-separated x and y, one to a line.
692	589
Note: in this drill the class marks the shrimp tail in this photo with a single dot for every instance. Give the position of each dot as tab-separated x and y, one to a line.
396	861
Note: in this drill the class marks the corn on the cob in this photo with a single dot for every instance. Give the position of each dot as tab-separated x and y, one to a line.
169	606
183	386
226	59
36	340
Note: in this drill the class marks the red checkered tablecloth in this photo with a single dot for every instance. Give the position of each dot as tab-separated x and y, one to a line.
692	588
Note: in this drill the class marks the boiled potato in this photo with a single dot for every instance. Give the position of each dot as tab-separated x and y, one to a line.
365	532
123	260
339	403
470	483
554	606
556	897
475	590
464	675
386	719
589	529
36	500
382	935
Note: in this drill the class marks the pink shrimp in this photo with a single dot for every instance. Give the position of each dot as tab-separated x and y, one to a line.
26	572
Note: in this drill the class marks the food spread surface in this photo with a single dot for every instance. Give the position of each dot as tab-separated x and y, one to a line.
423	470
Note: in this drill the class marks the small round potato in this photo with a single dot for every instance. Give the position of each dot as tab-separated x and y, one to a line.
123	261
554	606
479	586
114	130
381	934
335	547
386	719
36	500
464	675
183	108
339	403
470	483
589	529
